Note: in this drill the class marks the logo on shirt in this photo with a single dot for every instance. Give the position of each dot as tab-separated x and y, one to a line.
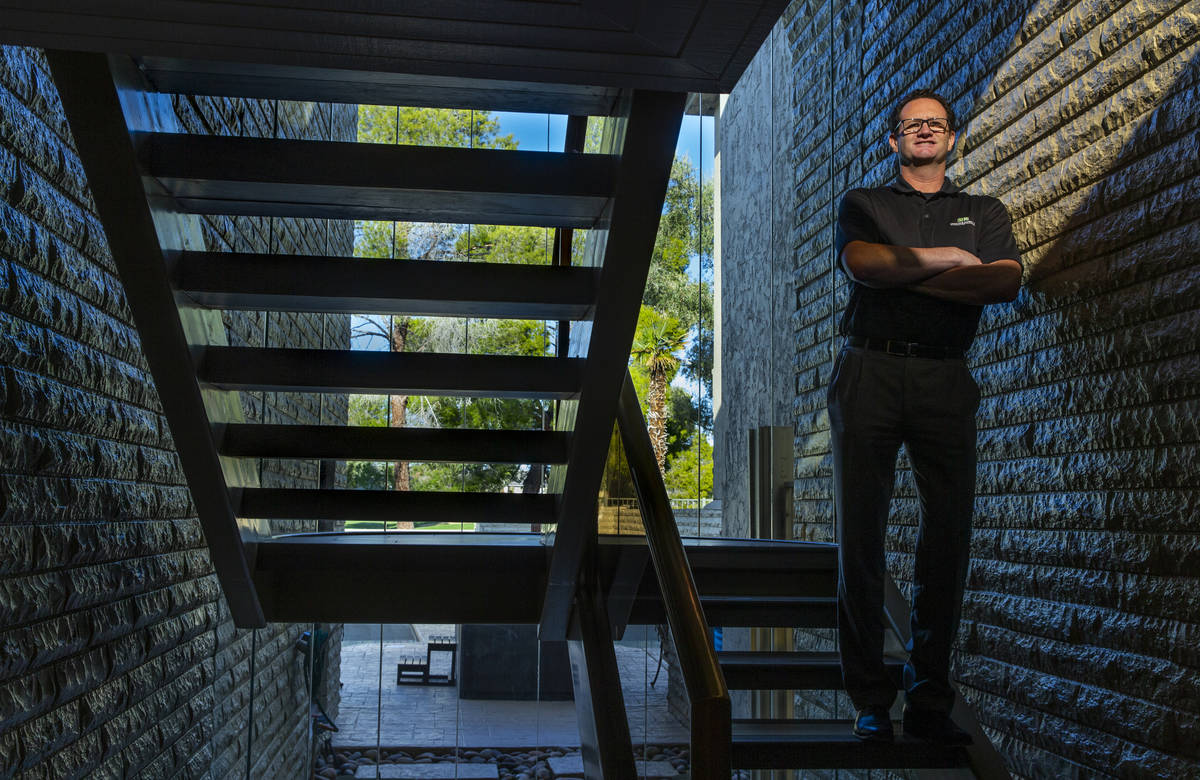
962	222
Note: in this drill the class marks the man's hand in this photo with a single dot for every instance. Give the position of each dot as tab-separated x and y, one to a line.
994	282
885	265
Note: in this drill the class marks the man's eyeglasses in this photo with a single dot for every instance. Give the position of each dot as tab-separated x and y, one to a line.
910	126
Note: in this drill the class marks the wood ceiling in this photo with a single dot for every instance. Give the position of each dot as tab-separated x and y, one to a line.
677	45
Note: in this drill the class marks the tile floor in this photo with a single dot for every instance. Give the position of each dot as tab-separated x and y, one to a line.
434	716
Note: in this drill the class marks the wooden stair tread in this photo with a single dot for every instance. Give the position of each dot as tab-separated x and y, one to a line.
400	373
759	554
343	180
750	611
829	744
395	505
410	444
792	611
752	567
749	670
409	577
379	88
424	561
229	280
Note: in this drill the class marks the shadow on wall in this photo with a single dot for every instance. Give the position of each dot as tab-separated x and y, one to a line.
1085	529
1104	201
1080	622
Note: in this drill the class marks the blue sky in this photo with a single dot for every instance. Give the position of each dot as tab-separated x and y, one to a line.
542	133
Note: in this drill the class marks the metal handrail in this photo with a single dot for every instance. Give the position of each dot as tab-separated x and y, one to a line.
711	729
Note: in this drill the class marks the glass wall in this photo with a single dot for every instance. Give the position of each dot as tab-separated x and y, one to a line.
440	242
441	693
380	694
671	363
672	357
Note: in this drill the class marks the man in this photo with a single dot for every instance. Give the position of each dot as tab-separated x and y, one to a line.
923	258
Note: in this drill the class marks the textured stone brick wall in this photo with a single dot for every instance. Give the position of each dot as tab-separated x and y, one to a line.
1080	629
117	654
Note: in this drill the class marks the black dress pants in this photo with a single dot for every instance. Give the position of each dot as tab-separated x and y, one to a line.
877	402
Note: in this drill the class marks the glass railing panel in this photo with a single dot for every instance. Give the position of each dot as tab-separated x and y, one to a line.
655	700
447	695
357	664
281	701
672	354
618	509
319	648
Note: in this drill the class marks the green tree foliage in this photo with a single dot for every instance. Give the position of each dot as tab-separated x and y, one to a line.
657	338
684	241
684	235
439	242
685	418
688	467
514	244
431	127
369	411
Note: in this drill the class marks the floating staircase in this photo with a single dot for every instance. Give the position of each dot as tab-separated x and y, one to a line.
146	178
618	195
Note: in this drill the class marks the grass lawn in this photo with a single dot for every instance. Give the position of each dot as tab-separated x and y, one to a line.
375	525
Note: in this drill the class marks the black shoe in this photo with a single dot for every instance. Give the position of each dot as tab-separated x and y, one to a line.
933	726
873	724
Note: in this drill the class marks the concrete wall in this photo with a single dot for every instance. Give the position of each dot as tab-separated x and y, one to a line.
117	654
753	268
1079	641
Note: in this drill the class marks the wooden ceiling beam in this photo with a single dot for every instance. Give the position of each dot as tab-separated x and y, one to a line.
673	45
282	82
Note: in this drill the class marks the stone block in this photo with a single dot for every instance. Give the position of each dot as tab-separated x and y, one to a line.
23	599
79	759
79	673
25	698
572	766
131	735
42	737
23	346
442	771
189	743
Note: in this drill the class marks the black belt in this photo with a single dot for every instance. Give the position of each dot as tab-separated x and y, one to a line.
906	348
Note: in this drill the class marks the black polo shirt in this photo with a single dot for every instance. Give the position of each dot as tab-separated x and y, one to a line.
902	216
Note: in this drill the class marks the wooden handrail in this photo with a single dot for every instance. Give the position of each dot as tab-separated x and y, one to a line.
711	730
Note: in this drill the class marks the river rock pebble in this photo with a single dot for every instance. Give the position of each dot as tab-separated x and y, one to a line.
512	764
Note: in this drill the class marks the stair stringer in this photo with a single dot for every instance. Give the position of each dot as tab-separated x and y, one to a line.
104	98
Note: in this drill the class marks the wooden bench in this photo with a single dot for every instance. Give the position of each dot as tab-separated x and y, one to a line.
412	670
442	644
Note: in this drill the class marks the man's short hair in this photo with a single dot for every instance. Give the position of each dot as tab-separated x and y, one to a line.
914	95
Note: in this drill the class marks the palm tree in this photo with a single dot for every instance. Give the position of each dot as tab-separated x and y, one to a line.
657	339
